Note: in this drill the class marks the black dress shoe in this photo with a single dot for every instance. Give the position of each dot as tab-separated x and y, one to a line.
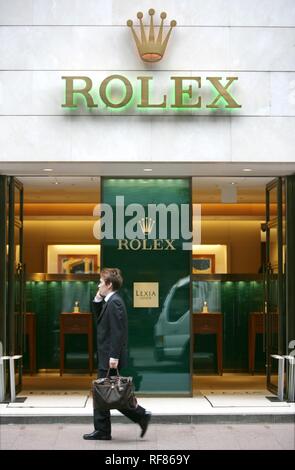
144	422
96	436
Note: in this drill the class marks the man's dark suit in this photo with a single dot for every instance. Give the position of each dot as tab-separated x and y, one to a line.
112	331
112	339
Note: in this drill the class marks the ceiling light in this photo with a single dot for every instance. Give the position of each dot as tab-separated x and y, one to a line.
47	169
247	169
147	169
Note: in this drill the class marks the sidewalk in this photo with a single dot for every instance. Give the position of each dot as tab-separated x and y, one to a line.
158	437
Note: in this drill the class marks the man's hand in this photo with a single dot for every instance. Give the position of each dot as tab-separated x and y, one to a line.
113	363
98	296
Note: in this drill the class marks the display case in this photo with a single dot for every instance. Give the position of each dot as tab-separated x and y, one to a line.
47	295
159	339
235	297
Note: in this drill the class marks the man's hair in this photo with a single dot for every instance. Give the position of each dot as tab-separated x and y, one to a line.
112	275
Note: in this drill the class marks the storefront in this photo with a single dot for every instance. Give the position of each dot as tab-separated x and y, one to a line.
161	144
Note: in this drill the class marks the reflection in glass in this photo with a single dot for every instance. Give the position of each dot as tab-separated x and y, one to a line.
171	332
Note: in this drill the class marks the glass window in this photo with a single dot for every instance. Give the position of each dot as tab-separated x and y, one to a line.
179	303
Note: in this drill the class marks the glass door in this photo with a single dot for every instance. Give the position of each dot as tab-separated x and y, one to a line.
4	213
275	279
15	310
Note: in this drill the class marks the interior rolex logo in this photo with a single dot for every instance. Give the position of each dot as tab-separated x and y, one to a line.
150	48
146	224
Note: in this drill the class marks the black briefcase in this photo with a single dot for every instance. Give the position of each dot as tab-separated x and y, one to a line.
113	392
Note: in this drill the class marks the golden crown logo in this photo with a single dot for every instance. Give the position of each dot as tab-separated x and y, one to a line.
146	224
151	49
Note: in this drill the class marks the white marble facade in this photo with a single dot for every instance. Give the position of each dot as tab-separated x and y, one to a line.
42	40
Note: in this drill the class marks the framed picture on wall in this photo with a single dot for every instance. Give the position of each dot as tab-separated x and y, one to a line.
72	258
203	264
76	264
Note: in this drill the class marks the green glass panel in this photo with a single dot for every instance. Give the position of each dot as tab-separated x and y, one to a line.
235	300
154	331
47	300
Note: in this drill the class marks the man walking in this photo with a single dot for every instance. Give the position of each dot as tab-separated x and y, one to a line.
112	339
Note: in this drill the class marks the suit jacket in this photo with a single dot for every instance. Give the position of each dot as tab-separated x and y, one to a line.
112	331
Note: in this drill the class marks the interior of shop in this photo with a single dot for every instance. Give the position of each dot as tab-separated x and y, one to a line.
233	244
226	279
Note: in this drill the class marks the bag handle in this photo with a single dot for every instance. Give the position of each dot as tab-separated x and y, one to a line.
108	373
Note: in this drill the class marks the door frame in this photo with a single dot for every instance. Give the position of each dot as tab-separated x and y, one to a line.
279	276
11	319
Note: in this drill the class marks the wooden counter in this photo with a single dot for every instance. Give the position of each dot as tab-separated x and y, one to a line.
211	323
76	323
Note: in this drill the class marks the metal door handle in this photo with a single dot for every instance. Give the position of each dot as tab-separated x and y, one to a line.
264	326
